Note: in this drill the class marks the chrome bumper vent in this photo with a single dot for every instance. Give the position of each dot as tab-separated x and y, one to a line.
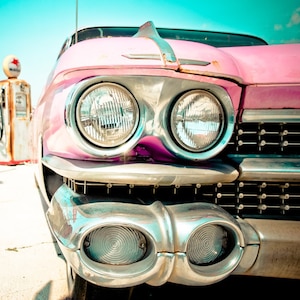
244	199
265	138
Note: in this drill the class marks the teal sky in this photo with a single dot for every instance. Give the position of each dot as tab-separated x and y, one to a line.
35	30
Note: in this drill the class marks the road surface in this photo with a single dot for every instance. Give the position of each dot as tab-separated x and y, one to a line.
32	268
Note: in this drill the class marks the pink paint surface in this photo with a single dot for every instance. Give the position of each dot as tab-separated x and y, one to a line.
269	75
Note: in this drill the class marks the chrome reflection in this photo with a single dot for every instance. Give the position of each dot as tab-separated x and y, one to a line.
151	244
197	120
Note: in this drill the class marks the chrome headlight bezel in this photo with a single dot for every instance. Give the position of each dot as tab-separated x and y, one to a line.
82	139
222	101
107	114
195	116
154	115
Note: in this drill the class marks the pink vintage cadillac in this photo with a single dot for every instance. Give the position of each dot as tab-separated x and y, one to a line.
171	156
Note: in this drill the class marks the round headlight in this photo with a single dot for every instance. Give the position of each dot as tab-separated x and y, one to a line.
107	114
197	120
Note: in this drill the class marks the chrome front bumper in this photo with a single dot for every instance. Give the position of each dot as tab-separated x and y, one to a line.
140	173
169	228
263	247
248	169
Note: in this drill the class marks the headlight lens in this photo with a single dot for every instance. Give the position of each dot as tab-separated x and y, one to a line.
197	120
115	245
107	114
208	244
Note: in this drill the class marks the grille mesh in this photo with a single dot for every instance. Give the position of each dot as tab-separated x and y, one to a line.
261	199
239	198
265	138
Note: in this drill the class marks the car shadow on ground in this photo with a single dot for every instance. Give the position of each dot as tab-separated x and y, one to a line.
233	285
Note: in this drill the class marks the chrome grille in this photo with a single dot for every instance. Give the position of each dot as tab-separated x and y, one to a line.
268	138
244	199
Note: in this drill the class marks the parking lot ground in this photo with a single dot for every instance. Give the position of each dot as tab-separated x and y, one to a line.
32	268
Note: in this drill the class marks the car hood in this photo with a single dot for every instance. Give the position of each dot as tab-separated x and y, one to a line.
246	65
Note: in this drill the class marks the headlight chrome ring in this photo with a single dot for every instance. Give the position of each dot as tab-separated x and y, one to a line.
107	115
201	123
197	120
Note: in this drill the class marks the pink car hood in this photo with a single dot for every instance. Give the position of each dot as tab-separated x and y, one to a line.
247	65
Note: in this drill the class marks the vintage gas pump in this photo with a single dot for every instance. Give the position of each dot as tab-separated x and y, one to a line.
15	115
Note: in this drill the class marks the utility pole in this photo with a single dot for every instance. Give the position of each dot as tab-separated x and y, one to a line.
76	30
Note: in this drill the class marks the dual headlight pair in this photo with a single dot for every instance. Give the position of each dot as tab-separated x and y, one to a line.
108	115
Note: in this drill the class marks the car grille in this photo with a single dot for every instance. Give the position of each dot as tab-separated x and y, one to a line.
265	138
245	199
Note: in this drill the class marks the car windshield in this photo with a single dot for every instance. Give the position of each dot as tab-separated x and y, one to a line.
216	39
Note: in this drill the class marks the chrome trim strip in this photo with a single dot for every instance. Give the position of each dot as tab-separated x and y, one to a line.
269	169
140	173
142	56
186	61
182	61
271	115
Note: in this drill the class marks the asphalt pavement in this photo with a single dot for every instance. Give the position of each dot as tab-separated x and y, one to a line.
32	267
